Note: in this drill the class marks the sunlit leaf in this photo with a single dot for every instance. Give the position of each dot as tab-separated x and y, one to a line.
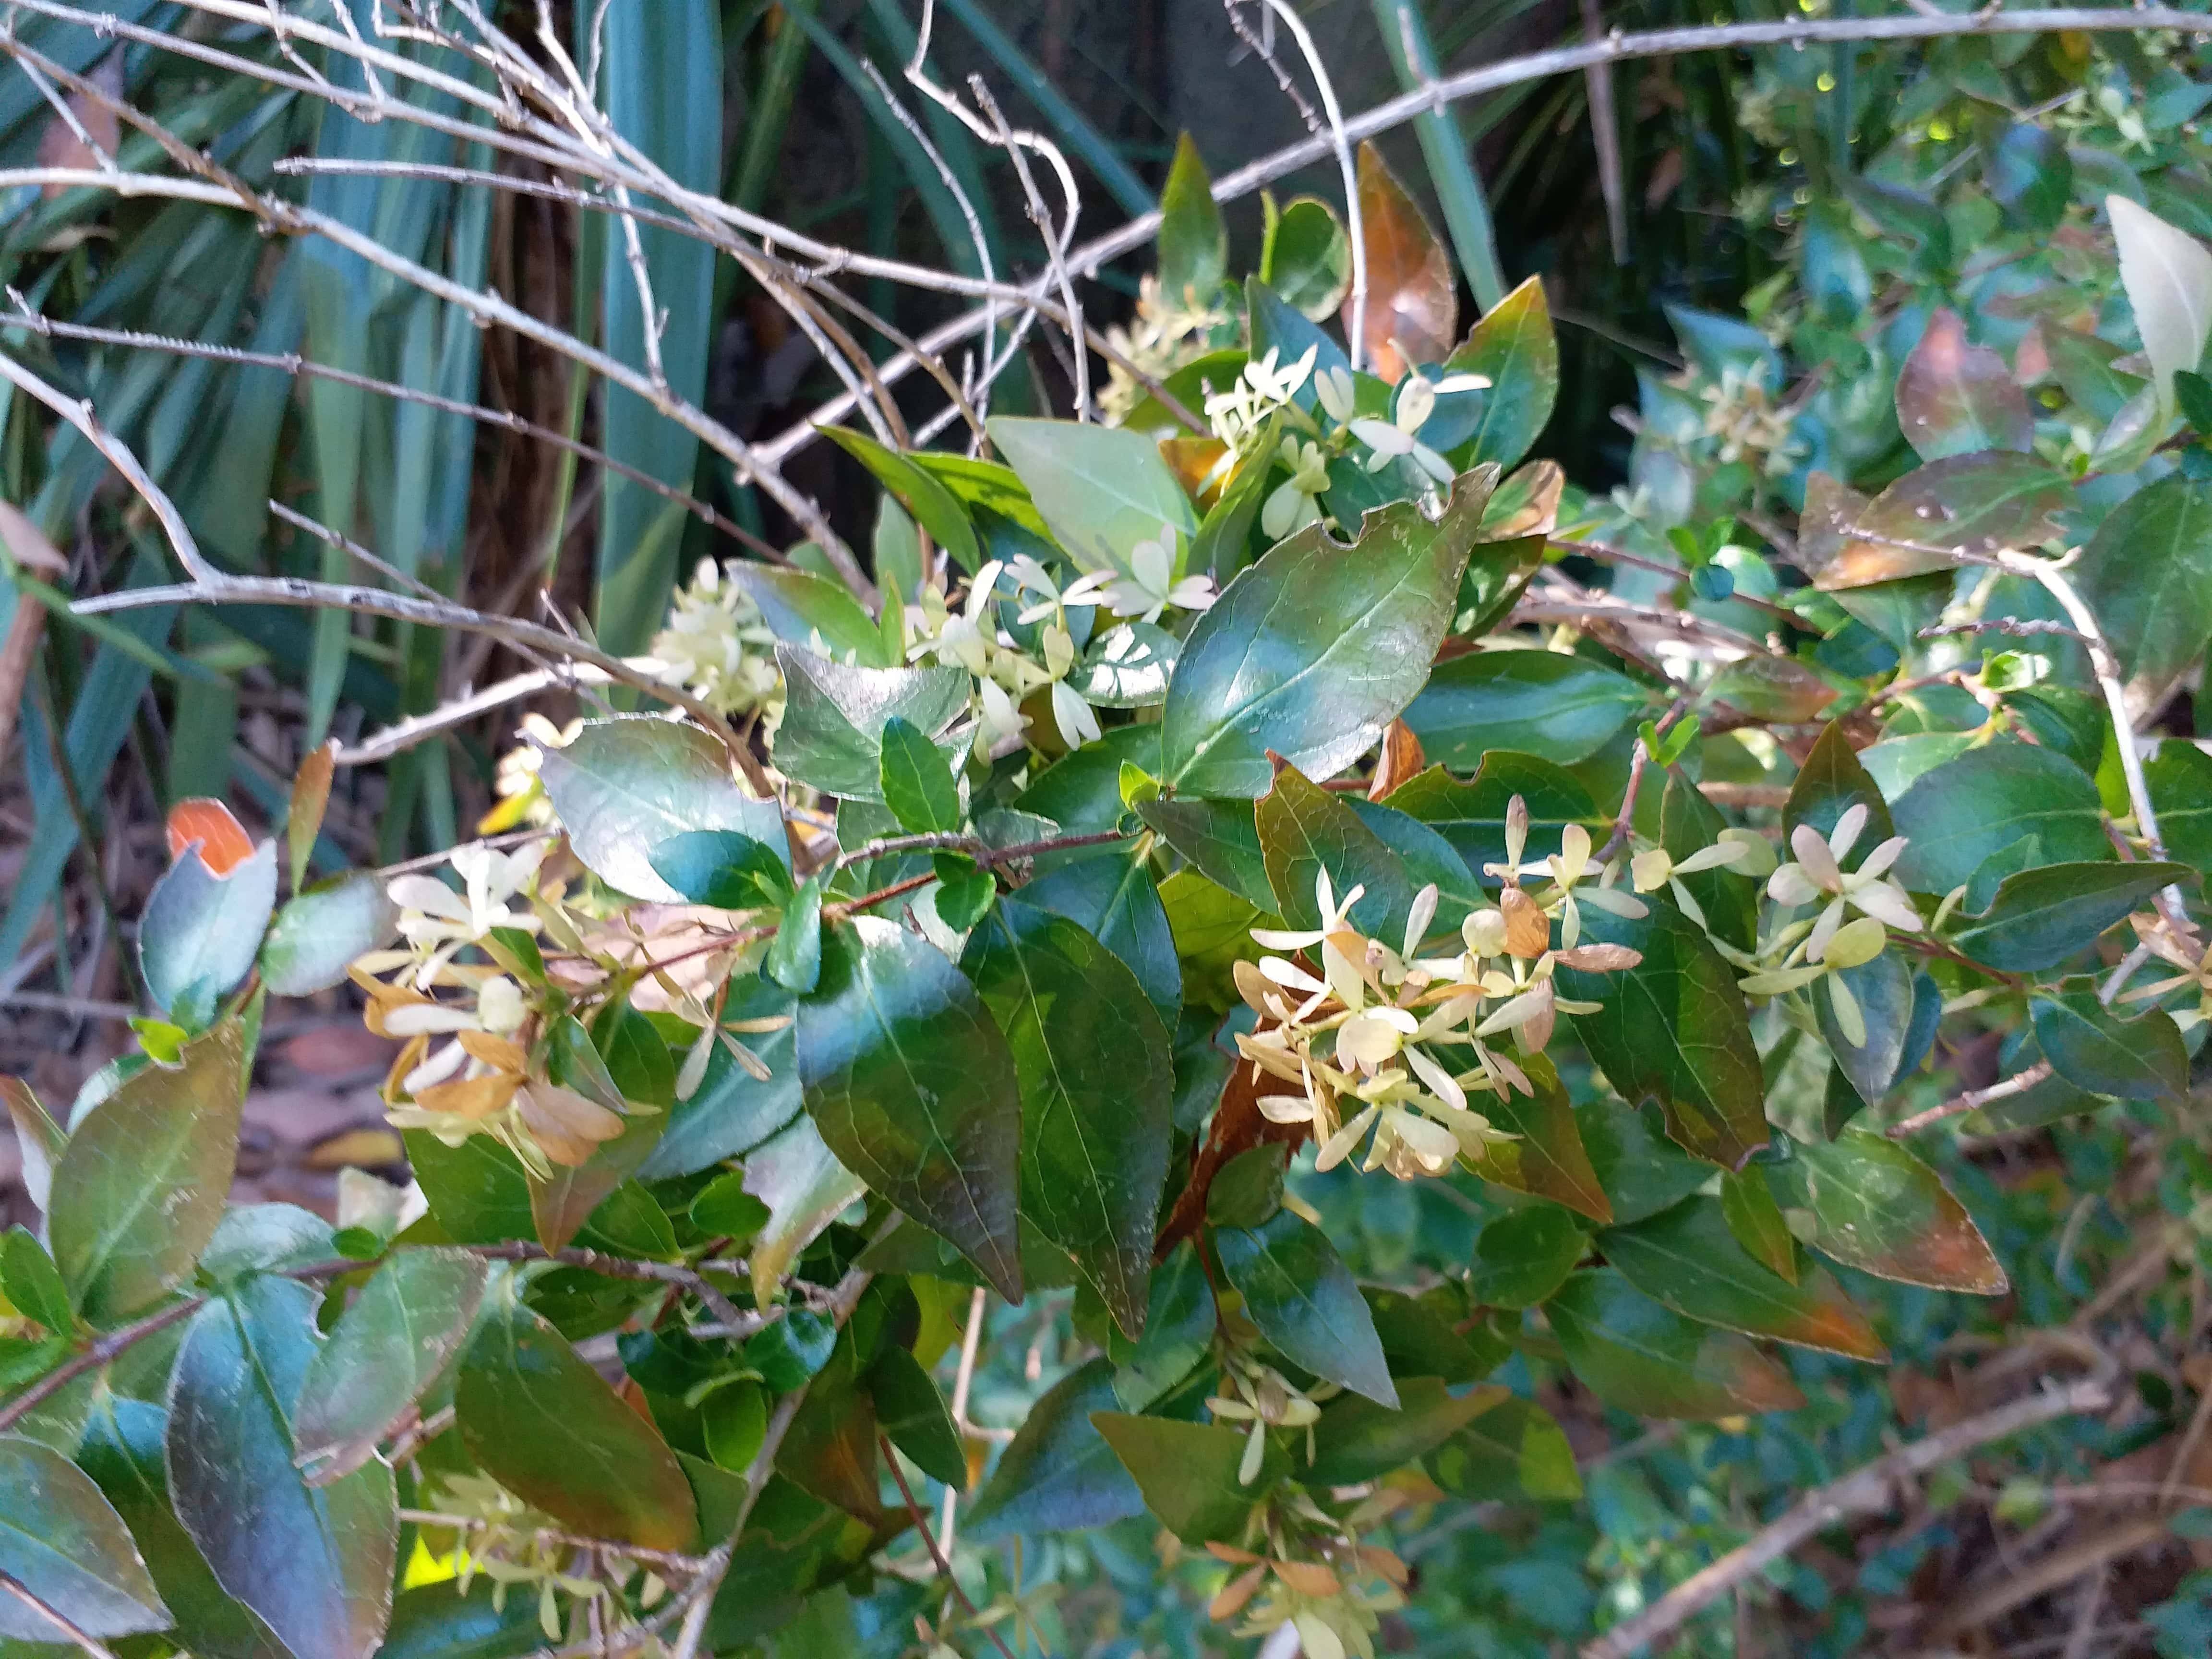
1877	1207
1412	303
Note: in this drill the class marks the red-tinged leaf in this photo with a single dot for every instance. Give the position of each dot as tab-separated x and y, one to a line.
1641	1357
223	843
1548	1159
1877	1207
1953	397
1411	301
311	796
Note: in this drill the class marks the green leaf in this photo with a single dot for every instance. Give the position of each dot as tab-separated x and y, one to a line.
1116	899
1755	1221
732	1111
1187	1472
1092	1061
1878	1208
917	785
963	893
1286	330
1497	574
733	1422
2030	176
1314	650
986	486
122	1451
200	931
1194	245
1307	257
315	1563
1101	490
1220	839
1953	399
1967	809
794	954
1306	831
833	721
1523	1257
914	1089
1357	1440
386	1351
436	1621
2146	573
921	492
1470	814
1514	1450
913	1414
1728	899
725	868
1420	1335
806	1188
1179	1328
1548	1159
1883	990
811	611
1515	346
1674	1027
2179	778
32	1283
2042	916
2168	277
140	1187
1298	1291
628	784
1641	1171
318	935
1975	503
1829	784
2095	1049
1059	1474
543	1423
1641	1357
1545	703
476	1191
61	1540
264	1238
1428	860
1212	927
830	1449
1687	1259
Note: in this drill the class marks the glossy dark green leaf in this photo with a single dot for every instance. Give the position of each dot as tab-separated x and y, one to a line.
1193	246
724	1209
317	935
1298	1291
1548	1158
254	1239
1188	1473
1221	839
1470	814
1313	651
725	868
1829	784
733	1422
1641	1357
1974	503
201	931
1882	988
1756	1222
386	1351
1515	347
1179	1329
2030	175
810	610
1308	257
1097	1082
1428	859
1421	1335
917	785
1514	1450
62	1541
1640	1170
914	1089
1727	899
1955	398
1497	572
1059	1474
1673	1029
1117	900
2146	573
732	1111
1525	1255
1101	490
1877	1207
1248	1189
436	1621
545	1424
834	716
2042	916
1306	832
1967	809
913	1414
2132	1057
794	954
140	1187
315	1563
920	491
2180	777
32	1283
792	1350
628	784
1357	1440
830	1449
122	1451
476	1191
1687	1259
1557	706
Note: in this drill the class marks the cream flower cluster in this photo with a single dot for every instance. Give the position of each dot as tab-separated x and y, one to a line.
716	645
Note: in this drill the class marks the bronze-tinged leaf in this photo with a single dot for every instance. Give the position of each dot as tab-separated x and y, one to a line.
1401	759
1877	1207
1526	504
1833	556
1956	398
311	797
1411	301
1549	1159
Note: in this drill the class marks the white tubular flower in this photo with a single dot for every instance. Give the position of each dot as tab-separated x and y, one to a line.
436	918
1294	503
1416	401
1373	1036
1077	720
1001	721
1333	913
1148	587
1817	874
1334	386
1279	385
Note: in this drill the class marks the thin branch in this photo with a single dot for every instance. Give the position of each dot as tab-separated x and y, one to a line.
108	1347
1973	1100
971	1338
1869	1491
944	1562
